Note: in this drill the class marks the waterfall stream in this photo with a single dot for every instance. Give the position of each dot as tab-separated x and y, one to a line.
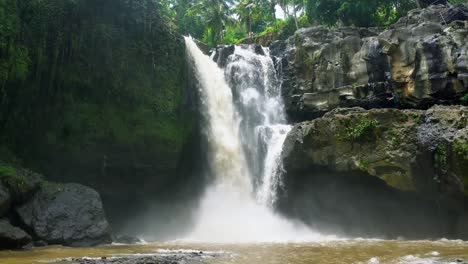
253	78
245	127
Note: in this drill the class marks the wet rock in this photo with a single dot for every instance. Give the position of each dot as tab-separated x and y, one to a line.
389	144
413	163
12	237
124	239
67	214
5	199
40	243
175	258
222	53
419	61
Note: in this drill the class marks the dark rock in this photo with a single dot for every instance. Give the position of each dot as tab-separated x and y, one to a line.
418	62
175	258
203	47
30	184
12	237
5	199
40	243
412	157
124	239
67	214
222	53
388	148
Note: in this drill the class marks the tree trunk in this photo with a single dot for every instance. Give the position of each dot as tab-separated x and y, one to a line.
295	17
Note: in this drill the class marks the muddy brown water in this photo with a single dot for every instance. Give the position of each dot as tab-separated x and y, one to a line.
343	251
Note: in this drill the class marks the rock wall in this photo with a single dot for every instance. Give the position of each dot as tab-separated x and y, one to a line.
419	61
411	164
371	154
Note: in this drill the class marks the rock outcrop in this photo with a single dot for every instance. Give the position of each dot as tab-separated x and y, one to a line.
415	156
51	213
419	61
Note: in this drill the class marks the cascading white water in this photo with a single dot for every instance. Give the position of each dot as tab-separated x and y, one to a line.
253	77
229	211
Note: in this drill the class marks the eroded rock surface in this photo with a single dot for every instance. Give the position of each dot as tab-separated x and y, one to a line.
419	61
411	150
381	171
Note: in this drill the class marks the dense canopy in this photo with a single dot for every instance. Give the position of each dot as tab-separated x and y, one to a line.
229	21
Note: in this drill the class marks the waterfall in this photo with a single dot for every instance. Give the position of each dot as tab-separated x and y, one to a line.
253	78
245	128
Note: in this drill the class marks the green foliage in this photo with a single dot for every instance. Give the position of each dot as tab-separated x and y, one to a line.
363	130
91	79
14	59
441	159
234	34
363	165
464	100
10	177
254	14
363	13
394	139
461	148
282	29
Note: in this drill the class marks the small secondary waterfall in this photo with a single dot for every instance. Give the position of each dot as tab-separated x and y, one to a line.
245	130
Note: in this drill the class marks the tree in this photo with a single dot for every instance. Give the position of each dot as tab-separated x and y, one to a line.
187	19
216	15
291	9
362	13
255	13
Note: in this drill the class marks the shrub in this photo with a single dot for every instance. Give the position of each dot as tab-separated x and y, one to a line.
464	100
10	177
440	159
461	148
364	129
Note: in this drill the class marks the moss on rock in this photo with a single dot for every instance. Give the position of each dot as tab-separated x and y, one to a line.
410	150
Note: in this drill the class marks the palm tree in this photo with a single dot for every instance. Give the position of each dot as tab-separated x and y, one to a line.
245	9
217	14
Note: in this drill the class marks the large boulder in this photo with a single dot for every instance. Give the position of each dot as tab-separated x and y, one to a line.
381	170
419	61
411	150
12	237
67	214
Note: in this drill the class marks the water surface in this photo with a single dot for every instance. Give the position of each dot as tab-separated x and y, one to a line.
343	251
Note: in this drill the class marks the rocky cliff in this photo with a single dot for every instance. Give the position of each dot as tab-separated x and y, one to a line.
419	161
399	168
417	62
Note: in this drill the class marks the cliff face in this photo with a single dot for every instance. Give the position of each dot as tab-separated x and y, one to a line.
411	162
419	61
96	92
382	171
